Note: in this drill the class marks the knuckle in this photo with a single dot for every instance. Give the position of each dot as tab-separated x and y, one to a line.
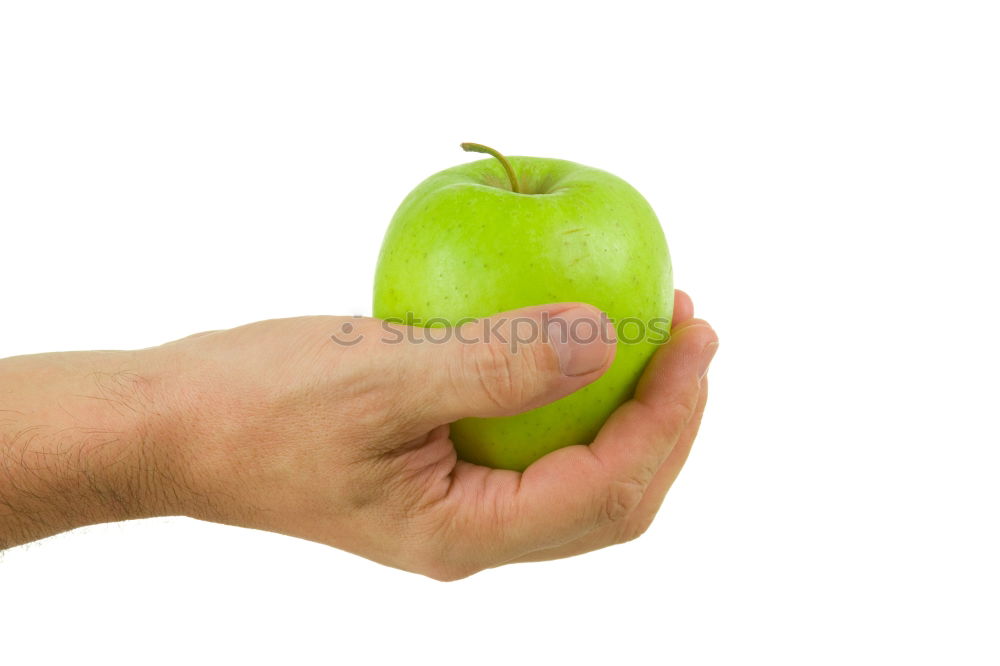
442	554
494	374
679	408
634	528
667	420
621	498
449	574
445	570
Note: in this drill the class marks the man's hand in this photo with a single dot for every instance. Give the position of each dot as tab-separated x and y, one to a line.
276	427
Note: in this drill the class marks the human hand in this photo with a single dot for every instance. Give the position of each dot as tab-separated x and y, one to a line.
275	427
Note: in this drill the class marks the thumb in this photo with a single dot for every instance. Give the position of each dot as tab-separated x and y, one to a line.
513	361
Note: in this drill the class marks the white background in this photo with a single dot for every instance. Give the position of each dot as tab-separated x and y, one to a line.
827	174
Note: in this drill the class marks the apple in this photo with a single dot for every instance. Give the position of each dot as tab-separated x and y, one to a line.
504	233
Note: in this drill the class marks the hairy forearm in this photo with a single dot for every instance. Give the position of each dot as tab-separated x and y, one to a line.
76	442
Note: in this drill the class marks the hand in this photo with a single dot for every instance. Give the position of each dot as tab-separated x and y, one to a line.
275	427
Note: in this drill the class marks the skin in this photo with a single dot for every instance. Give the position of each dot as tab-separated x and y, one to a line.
274	426
462	244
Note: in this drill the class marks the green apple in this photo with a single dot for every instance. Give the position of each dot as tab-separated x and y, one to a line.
500	234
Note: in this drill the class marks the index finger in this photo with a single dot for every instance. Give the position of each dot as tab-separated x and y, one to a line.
575	490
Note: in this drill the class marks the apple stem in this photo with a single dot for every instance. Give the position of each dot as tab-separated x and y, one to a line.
480	148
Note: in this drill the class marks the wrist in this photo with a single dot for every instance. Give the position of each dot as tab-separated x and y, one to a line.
164	438
186	436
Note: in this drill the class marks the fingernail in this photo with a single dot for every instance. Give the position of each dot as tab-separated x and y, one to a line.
707	354
580	340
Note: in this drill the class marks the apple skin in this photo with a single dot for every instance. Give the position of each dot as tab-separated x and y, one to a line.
462	244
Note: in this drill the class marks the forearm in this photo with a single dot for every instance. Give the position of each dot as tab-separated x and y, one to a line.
77	445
